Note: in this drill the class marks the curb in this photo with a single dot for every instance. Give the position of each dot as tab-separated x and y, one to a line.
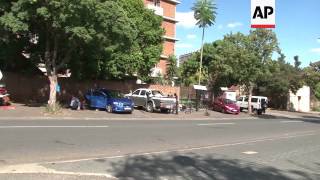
124	119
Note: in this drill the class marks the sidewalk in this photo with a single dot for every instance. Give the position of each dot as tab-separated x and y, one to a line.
289	114
22	112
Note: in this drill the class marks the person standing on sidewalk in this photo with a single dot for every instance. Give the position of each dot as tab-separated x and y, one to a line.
177	103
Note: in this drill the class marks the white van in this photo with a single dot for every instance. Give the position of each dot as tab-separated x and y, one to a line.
258	103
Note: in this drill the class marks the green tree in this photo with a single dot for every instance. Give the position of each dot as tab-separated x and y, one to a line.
317	91
96	39
297	62
172	69
311	75
205	14
284	78
251	56
263	44
189	70
218	57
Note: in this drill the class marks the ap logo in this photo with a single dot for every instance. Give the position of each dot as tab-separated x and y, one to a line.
263	14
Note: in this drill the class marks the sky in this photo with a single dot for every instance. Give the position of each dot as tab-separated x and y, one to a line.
297	26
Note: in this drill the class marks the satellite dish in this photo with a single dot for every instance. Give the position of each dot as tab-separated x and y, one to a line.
1	75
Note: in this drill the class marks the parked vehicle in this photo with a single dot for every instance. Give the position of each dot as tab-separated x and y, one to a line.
258	103
226	106
112	101
4	96
152	100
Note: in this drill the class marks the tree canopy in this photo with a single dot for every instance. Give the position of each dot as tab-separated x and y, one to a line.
205	15
240	59
95	39
311	75
106	39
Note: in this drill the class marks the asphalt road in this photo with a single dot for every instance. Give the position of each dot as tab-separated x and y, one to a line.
215	149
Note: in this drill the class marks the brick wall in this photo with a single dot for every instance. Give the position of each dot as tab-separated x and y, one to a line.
170	29
168	48
163	65
25	89
169	9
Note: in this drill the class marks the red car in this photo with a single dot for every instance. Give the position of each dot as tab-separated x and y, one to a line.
226	106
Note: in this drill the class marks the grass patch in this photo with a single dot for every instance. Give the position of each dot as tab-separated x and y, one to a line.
56	109
316	109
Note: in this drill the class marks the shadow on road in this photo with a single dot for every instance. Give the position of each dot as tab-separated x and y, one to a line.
268	116
197	167
309	119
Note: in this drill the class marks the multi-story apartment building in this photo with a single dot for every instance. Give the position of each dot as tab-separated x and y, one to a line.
166	9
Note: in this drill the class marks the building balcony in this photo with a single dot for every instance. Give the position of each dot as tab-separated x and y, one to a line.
170	19
173	1
157	10
164	56
170	38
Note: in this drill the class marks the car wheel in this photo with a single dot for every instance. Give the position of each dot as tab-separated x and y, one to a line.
109	109
259	112
241	109
150	107
165	110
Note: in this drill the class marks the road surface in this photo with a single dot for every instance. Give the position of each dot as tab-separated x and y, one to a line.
133	149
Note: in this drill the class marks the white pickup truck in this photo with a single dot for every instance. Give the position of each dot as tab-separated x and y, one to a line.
258	103
4	96
151	100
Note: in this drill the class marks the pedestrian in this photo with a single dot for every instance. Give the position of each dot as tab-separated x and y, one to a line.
148	97
75	103
177	103
264	105
1	75
58	89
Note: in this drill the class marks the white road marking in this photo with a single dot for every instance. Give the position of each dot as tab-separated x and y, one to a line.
250	152
286	136
214	124
291	121
36	168
7	127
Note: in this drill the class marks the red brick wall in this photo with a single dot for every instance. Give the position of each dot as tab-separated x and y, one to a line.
163	65
168	48
167	90
25	89
169	28
169	9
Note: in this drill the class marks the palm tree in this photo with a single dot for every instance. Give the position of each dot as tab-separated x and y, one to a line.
205	14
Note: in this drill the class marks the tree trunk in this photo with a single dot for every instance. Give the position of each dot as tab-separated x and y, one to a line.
249	98
53	91
201	56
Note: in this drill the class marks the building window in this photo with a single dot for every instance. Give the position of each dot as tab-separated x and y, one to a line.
156	3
